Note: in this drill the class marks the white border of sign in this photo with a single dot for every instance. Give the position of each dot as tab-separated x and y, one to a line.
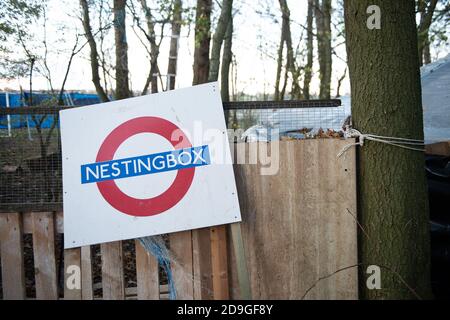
211	199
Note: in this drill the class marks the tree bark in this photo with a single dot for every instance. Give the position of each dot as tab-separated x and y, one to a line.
225	17
427	53
122	86
286	38
323	25
202	41
226	62
174	41
296	91
277	96
94	53
309	49
386	100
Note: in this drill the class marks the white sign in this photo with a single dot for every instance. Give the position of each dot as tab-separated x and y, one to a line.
144	166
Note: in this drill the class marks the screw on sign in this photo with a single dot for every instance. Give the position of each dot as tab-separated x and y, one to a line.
106	169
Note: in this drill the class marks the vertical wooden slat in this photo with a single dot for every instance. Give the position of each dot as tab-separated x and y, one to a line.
112	271
44	256
309	231
11	248
241	263
146	274
219	262
182	264
59	224
72	274
201	255
27	223
87	292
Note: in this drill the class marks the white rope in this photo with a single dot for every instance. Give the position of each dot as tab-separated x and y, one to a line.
393	141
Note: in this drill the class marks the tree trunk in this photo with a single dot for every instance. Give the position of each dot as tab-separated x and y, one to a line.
386	100
323	25
94	53
226	62
296	91
154	71
427	53
225	17
286	38
277	96
152	78
122	88
202	41
174	41
309	49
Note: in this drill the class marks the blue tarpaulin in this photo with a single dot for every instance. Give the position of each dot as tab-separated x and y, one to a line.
16	100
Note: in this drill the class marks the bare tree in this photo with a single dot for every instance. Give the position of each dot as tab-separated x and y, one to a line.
227	57
290	67
324	49
174	43
120	36
94	57
154	19
219	34
309	50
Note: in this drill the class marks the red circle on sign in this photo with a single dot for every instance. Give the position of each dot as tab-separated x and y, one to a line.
166	200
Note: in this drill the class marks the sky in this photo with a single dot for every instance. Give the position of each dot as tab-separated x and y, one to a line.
255	69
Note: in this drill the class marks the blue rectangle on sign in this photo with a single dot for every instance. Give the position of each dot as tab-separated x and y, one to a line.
147	164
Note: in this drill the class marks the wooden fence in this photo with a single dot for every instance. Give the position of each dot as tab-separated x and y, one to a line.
299	226
299	230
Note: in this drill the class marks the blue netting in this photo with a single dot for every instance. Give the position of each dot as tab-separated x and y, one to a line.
157	247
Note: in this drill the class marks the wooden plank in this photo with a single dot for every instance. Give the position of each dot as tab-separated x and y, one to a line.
241	263
59	222
219	262
28	207
296	227
146	274
337	195
27	219
182	264
439	149
28	222
201	260
44	256
112	271
309	231
11	249
72	274
87	292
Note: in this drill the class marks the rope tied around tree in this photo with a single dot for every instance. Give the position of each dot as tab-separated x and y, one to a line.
404	143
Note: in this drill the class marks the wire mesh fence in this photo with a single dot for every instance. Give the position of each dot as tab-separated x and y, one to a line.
30	148
30	159
268	120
